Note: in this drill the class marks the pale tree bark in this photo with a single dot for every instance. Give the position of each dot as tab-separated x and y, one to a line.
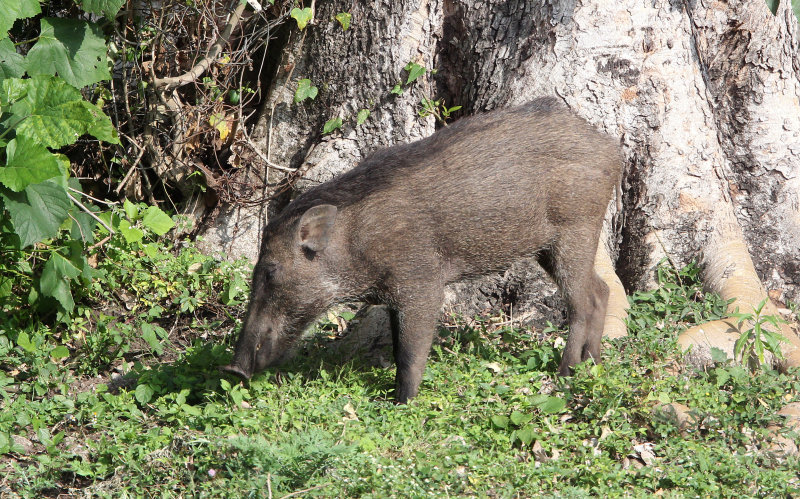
702	94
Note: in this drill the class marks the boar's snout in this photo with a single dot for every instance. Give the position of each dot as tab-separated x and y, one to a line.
255	349
234	369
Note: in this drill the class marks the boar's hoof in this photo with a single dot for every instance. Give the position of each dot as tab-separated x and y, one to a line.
230	368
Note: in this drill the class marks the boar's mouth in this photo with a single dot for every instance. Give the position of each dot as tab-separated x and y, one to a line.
243	363
234	369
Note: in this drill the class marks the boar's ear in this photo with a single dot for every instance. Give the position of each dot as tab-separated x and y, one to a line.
315	227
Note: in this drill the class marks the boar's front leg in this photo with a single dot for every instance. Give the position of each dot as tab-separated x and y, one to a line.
413	322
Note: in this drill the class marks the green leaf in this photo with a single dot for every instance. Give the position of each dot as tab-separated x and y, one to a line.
149	335
24	341
526	435
150	249
83	229
11	63
344	19
53	113
131	210
552	405
27	163
56	277
500	421
362	116
11	10
59	352
331	125
191	410
73	49
414	71
107	7
302	16
722	376
773	5
38	211
157	221
519	418
144	393
131	234
397	89
305	90
718	355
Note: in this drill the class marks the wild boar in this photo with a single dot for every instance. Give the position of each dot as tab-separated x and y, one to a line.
532	181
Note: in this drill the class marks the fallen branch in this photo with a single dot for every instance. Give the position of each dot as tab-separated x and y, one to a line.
84	208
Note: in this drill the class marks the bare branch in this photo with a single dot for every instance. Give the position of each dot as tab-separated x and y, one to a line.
201	67
84	208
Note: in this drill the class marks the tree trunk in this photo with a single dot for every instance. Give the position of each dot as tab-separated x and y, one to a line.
702	94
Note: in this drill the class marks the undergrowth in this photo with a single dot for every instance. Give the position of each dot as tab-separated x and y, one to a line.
136	406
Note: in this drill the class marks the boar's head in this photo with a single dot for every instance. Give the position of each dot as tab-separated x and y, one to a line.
291	287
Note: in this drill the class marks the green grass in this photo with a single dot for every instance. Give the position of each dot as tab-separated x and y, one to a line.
126	416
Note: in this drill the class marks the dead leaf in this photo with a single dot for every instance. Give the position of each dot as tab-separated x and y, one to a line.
349	413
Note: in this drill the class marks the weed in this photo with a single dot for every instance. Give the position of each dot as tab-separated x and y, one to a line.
757	339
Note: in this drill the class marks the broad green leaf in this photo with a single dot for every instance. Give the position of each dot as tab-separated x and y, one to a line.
553	405
59	352
362	116
6	284
38	211
77	255
11	63
131	210
107	7
722	375
305	90
527	434
83	228
302	16
73	49
397	89
144	393
51	112
719	356
500	421
191	410
773	5
131	234
519	418
149	335
414	71
24	341
100	127
344	19
150	249
157	221
56	277
331	125
27	163
11	10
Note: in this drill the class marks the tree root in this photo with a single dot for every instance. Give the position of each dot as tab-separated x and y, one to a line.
617	309
728	270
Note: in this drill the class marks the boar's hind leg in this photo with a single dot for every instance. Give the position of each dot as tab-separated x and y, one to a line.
413	326
572	267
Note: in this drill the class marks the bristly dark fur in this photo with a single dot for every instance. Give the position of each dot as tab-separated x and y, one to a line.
473	198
